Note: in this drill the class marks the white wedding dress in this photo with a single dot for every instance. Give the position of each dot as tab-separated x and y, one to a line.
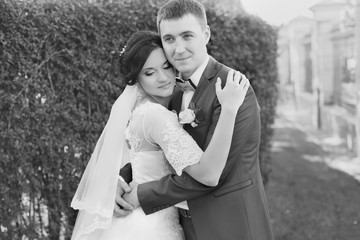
158	146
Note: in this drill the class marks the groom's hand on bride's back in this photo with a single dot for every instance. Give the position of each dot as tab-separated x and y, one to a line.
122	208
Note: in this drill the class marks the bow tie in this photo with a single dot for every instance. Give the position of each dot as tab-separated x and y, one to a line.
185	84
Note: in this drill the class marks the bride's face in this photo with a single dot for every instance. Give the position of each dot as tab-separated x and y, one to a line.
157	77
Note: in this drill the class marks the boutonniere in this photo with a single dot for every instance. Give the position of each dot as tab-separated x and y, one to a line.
189	115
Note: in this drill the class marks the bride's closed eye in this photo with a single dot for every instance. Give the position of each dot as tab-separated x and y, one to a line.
149	73
167	65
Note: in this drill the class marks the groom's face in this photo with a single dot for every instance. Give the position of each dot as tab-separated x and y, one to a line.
184	41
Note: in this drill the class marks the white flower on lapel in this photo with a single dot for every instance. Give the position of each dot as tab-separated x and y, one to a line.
188	117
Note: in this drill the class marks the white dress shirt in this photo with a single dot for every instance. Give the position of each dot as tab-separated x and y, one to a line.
195	78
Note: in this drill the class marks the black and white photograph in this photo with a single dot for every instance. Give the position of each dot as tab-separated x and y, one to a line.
179	119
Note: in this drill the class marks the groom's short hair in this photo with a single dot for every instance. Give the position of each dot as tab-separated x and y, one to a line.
176	9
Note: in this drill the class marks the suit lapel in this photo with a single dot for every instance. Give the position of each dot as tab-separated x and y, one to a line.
208	74
176	101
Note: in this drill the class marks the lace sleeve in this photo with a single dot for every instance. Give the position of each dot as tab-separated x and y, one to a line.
179	147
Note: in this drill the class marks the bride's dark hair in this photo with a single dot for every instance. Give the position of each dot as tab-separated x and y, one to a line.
135	53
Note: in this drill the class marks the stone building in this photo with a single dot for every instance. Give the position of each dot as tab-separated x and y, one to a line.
317	66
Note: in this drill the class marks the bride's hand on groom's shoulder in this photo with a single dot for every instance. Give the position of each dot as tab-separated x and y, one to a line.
232	95
122	208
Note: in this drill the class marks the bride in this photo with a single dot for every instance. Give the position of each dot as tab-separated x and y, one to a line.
141	130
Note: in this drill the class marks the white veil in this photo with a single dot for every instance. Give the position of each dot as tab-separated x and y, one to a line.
95	195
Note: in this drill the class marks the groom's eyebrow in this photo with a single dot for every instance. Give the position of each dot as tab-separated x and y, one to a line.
187	32
181	34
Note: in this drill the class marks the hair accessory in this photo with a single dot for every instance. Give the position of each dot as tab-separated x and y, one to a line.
122	51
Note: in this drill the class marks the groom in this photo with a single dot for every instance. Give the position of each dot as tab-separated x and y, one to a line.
237	207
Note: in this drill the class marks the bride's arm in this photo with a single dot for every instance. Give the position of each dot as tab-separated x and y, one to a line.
212	162
180	148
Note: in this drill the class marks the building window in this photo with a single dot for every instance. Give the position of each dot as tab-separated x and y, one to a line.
349	70
348	93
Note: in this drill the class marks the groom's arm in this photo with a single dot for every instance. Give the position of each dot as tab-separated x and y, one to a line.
172	189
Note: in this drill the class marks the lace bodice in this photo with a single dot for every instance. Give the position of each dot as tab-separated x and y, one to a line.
158	143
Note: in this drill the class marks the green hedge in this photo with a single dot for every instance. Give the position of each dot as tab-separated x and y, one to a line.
58	80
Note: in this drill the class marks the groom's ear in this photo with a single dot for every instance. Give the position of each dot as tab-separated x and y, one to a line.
207	34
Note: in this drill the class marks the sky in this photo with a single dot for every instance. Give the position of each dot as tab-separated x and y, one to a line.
277	12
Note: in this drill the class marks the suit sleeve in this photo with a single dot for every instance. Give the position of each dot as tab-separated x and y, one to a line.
172	189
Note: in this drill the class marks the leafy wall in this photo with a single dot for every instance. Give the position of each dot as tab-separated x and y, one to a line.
58	80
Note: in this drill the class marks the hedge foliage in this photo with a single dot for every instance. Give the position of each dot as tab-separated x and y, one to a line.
58	80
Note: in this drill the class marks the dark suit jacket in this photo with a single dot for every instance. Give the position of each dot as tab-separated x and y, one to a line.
237	207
